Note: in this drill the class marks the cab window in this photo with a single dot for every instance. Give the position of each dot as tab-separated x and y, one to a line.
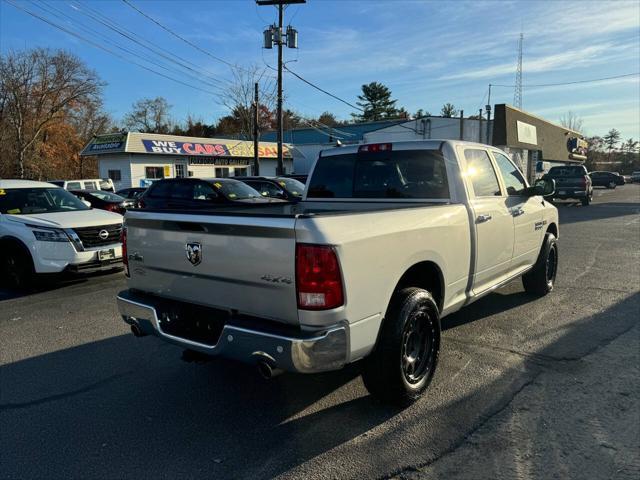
481	173
512	177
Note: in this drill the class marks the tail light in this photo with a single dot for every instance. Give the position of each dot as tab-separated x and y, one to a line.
141	203
584	181
125	256
112	207
318	278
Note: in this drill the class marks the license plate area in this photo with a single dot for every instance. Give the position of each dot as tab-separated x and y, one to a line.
104	255
192	322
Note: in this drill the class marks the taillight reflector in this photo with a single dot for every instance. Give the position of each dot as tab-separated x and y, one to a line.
375	147
125	256
318	278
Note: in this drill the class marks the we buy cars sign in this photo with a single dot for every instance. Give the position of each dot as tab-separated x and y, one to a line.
185	148
234	149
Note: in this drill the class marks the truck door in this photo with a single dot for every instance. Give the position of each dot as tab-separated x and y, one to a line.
492	219
527	213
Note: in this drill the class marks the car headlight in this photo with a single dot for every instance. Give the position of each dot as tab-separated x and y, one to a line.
49	234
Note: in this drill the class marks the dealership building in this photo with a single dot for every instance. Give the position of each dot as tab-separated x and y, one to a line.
133	159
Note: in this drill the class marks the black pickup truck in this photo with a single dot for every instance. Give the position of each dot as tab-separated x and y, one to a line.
572	181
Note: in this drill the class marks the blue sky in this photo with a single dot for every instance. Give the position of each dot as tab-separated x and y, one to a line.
428	53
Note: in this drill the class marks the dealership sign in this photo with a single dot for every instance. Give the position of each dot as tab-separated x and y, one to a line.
107	143
231	149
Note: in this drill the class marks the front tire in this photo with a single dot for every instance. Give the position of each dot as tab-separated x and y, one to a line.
17	269
541	278
612	185
403	362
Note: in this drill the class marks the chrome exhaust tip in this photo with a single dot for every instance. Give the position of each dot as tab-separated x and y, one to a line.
267	371
137	331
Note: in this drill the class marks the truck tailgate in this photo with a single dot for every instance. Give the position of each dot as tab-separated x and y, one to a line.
244	263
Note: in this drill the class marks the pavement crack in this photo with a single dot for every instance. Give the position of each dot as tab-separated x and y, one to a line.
60	396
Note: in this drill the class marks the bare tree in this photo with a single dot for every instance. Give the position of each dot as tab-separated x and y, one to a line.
448	110
149	115
571	121
38	88
238	97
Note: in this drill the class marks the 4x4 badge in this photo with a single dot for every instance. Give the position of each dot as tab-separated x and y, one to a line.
194	252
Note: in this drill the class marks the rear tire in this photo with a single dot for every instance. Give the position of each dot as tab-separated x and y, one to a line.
541	278
403	362
17	269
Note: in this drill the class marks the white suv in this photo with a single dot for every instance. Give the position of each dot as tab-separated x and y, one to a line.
45	229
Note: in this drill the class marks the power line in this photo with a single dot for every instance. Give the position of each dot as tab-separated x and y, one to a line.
180	37
69	19
319	88
569	83
101	47
130	36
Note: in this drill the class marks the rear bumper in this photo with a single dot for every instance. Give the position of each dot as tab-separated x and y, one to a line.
315	352
563	193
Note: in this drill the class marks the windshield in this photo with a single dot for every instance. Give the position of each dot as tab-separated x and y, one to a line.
108	196
291	185
234	190
25	201
388	174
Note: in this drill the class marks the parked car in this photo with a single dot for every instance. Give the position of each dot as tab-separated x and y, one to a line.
606	179
196	193
46	229
635	177
388	239
133	193
572	181
297	176
105	200
283	188
86	184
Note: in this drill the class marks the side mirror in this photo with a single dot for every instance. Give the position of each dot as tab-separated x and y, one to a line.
543	187
86	203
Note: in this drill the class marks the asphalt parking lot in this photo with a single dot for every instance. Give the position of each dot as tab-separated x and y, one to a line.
80	397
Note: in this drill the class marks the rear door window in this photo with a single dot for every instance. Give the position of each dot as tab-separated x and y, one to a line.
74	186
404	174
481	173
91	186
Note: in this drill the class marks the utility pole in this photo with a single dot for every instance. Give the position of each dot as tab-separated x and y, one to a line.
275	34
488	107
480	126
256	116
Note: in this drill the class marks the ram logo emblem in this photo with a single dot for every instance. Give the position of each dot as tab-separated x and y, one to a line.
194	253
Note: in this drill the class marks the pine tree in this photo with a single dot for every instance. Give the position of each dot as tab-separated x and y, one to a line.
376	103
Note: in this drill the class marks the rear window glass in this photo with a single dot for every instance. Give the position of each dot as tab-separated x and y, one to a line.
567	171
393	174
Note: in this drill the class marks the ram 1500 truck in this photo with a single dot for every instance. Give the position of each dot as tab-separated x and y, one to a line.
388	239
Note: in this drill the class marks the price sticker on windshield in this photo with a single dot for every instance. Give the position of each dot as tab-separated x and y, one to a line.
218	185
2	192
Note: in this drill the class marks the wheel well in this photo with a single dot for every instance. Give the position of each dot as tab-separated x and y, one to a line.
553	228
16	244
426	275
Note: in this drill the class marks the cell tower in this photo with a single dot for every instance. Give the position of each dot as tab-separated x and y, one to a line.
517	94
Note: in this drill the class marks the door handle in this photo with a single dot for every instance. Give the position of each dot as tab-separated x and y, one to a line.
517	212
483	218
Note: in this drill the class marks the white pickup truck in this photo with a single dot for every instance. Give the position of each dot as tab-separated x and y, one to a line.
388	239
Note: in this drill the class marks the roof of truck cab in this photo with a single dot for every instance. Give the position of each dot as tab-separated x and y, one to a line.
25	184
431	144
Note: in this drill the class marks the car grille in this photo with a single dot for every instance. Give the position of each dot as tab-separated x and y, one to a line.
90	236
